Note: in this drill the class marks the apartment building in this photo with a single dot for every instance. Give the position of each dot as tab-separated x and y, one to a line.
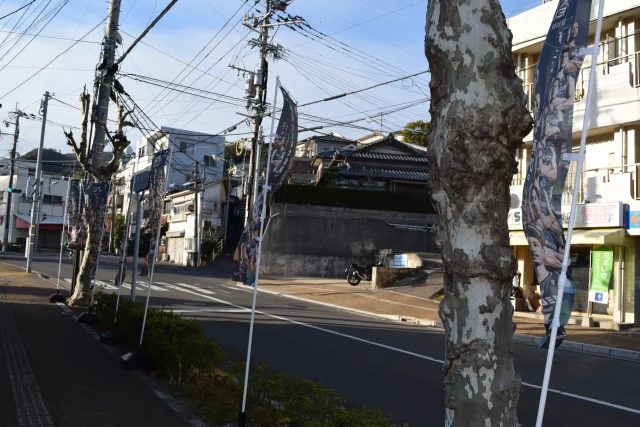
609	194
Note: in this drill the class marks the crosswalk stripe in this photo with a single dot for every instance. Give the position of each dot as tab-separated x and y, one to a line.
105	285
153	287
196	288
172	286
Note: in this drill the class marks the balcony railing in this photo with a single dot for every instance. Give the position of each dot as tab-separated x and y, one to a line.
603	176
606	60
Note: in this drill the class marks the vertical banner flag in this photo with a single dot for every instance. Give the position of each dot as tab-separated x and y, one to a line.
95	203
553	98
601	268
74	224
156	189
283	150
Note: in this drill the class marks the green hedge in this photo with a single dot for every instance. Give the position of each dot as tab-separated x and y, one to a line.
354	199
189	361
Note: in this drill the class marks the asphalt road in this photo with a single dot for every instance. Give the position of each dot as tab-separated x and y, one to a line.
381	364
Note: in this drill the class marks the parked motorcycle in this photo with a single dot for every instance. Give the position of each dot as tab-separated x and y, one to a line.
355	273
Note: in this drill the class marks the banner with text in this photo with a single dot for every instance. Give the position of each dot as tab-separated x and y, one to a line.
283	150
553	100
601	268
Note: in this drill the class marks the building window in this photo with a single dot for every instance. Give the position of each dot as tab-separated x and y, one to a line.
49	199
186	147
142	151
179	209
188	243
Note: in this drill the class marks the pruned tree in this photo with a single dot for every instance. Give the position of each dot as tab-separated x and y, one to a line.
416	132
478	119
99	172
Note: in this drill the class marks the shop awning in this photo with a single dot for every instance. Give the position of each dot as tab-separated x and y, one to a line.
51	223
582	236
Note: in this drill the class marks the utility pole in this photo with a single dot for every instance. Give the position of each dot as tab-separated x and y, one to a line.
36	195
260	82
106	70
7	216
196	225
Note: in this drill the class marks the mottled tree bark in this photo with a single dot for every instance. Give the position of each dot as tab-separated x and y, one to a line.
478	119
99	172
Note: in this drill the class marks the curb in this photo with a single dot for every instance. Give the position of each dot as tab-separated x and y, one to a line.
596	350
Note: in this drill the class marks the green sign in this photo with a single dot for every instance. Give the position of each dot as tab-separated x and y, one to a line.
601	268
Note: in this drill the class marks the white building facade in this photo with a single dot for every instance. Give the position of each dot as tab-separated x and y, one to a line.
609	194
51	209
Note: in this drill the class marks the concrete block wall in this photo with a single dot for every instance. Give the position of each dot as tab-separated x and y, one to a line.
321	241
383	277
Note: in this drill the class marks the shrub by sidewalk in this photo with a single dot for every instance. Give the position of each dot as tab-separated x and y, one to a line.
182	356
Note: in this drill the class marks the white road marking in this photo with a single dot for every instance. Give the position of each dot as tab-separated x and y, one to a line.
146	285
196	288
208	310
237	289
414	296
409	353
105	285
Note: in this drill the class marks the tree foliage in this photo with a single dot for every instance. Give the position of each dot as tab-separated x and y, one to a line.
416	132
119	225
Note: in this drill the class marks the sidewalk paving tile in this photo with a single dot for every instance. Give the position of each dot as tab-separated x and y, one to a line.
82	384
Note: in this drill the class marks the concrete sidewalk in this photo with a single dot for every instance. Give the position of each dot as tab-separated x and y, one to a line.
53	373
412	304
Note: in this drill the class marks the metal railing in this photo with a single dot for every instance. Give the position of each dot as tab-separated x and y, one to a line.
606	61
603	173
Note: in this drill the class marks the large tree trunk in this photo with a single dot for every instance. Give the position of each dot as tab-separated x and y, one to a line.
93	230
478	119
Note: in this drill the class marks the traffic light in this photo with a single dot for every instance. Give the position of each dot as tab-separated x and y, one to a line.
14	190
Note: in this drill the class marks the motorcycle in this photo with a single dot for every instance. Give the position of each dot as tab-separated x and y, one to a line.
355	273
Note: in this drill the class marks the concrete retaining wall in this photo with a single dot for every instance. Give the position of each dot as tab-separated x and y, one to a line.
383	277
321	241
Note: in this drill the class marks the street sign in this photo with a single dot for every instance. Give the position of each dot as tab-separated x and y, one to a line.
400	261
632	219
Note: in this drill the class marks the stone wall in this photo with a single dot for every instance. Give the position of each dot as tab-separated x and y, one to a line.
321	241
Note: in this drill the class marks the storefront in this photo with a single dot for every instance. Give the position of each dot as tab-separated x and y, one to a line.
599	228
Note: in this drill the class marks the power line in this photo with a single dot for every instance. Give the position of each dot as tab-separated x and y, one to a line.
146	30
56	57
342	95
33	38
198	54
50	37
18	10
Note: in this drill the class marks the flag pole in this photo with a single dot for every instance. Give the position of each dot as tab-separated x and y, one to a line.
127	225
572	218
153	266
263	214
57	297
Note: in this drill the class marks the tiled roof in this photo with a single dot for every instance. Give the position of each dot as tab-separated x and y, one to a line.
413	147
330	138
357	154
383	172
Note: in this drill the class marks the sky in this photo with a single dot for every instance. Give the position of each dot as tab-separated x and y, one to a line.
353	44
